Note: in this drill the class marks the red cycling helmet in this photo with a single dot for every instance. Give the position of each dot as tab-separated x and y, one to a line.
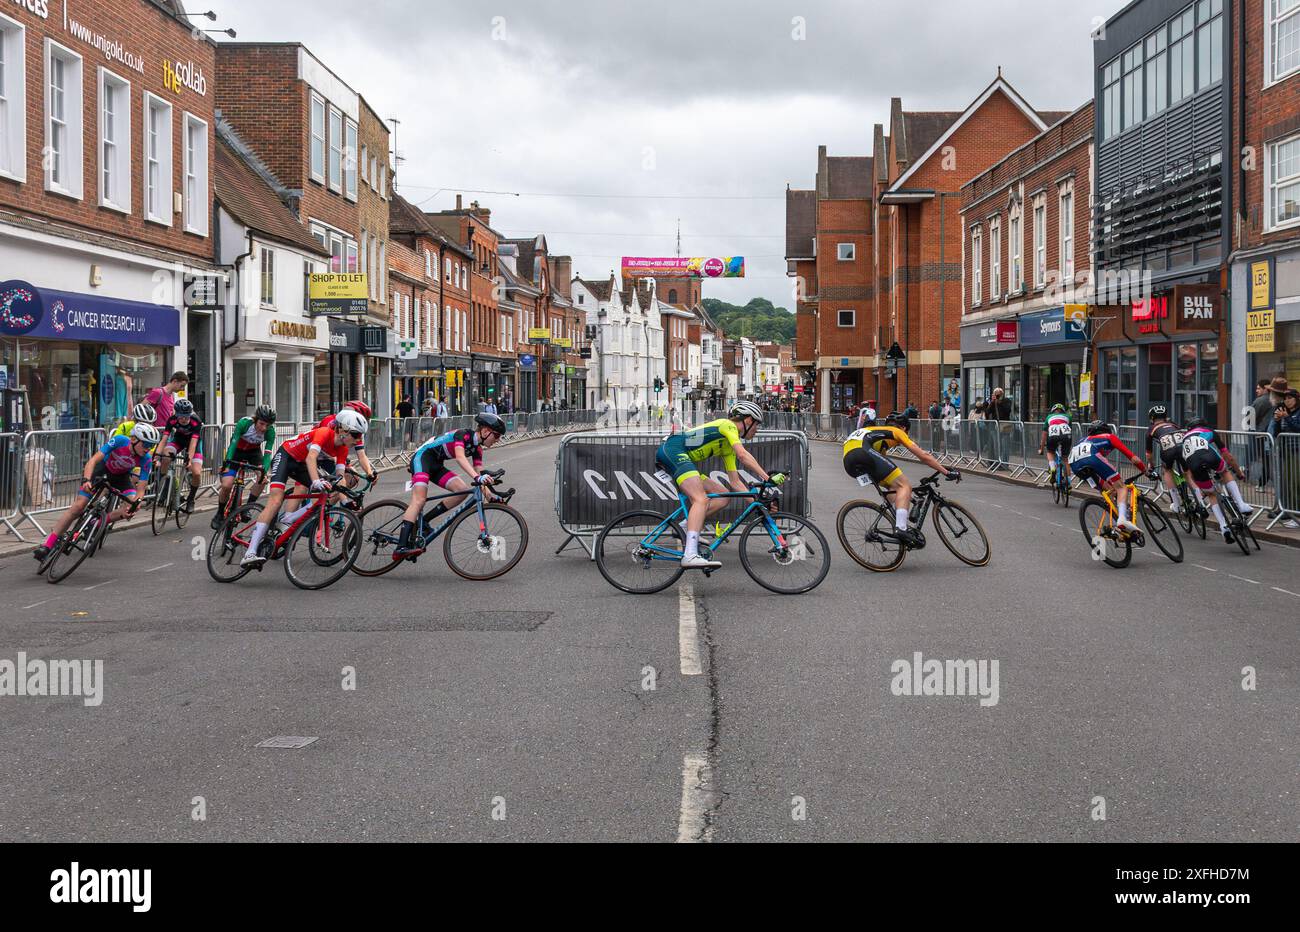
361	408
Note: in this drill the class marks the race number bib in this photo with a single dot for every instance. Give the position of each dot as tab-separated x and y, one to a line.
865	480
1081	452
1059	430
1193	445
1169	441
663	477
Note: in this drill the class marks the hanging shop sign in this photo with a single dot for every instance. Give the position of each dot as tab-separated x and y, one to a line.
539	335
1197	307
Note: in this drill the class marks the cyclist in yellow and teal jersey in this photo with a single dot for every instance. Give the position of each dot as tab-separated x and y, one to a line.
681	455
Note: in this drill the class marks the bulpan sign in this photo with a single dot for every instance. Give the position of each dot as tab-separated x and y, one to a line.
680	267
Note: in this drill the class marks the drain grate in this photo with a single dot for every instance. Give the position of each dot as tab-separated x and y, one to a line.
286	741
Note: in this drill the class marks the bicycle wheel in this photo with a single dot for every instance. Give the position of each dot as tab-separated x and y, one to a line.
1187	513
1245	527
1161	530
225	551
178	507
1235	523
784	553
162	505
1056	486
488	552
1198	519
859	525
1094	520
1065	490
962	533
73	549
319	554
380	527
632	567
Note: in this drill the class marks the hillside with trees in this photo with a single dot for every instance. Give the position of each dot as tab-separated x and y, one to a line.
759	320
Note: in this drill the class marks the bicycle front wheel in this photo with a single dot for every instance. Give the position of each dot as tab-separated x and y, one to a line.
489	551
784	553
962	534
1187	511
322	551
631	563
1235	523
229	543
72	551
1161	529
859	526
162	506
1098	531
381	527
179	512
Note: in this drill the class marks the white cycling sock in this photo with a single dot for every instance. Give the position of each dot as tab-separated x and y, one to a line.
692	543
295	515
1235	492
1218	516
1123	509
900	519
1173	497
259	531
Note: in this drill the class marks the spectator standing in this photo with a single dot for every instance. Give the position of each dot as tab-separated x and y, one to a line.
935	411
405	408
490	407
442	408
999	407
430	405
1286	423
867	415
163	398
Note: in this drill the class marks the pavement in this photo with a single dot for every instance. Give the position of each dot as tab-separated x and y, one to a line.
520	709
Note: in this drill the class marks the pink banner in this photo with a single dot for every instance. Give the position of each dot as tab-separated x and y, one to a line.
681	267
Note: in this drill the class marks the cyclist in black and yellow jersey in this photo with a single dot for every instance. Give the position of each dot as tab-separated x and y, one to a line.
681	455
864	459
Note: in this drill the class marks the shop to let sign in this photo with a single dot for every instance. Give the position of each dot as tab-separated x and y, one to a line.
337	293
1261	284
1259	331
539	335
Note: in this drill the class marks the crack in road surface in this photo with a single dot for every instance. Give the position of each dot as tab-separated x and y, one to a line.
702	793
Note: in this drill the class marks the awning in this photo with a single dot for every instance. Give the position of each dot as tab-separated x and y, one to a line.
26	310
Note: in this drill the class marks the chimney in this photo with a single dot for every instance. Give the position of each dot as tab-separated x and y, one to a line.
481	212
458	202
562	275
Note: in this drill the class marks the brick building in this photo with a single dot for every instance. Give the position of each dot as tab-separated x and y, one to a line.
106	144
676	321
1266	247
1027	272
865	248
415	253
304	124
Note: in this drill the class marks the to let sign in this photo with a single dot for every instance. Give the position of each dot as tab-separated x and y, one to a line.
1259	331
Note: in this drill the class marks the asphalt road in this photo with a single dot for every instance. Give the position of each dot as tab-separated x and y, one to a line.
515	709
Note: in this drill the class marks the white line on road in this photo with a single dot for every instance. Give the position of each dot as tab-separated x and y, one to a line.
97	585
157	568
697	796
1287	591
34	604
1036	518
1056	524
1208	569
1244	579
688	636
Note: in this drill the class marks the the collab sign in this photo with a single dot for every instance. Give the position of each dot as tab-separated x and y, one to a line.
61	315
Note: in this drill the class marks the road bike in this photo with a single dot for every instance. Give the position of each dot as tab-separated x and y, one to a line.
167	502
236	499
1061	482
86	537
1237	522
319	546
640	552
1192	512
484	539
869	533
1098	519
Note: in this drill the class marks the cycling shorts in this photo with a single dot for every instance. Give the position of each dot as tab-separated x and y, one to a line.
284	467
864	461
431	468
250	457
1097	470
124	482
1202	466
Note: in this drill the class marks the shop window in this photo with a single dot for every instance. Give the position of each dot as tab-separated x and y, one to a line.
114	142
196	175
1119	385
13	100
1282	45
1180	257
63	120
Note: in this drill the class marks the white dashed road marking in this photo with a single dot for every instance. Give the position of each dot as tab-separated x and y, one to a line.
1244	579
163	567
688	636
34	604
97	585
1287	591
697	797
1208	569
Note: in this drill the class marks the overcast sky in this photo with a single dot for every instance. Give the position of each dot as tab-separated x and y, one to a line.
706	108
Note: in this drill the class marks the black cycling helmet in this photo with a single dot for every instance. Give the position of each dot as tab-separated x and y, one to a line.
184	407
1157	412
491	422
264	413
1100	427
1196	422
898	419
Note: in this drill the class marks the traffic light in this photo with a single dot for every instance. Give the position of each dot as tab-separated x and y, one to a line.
789	385
659	385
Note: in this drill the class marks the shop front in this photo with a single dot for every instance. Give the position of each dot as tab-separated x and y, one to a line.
458	377
487	383
379	345
990	358
526	387
336	375
79	360
1053	349
419	379
1166	349
1266	321
277	363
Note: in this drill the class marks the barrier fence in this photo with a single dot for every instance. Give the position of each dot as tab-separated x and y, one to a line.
40	472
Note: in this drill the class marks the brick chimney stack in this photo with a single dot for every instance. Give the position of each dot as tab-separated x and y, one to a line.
562	275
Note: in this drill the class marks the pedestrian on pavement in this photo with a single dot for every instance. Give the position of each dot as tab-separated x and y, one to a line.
867	415
935	411
1285	431
999	407
430	405
163	398
442	408
910	412
405	408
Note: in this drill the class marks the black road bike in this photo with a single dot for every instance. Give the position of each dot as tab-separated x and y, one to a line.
86	537
868	531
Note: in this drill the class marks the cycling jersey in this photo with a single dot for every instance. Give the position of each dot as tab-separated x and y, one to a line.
320	439
680	454
182	431
1088	457
1202	457
123	430
250	445
864	453
1058	430
429	462
1168	439
121	466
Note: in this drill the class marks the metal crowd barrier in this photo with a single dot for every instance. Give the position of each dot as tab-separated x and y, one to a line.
50	476
1286	477
11	481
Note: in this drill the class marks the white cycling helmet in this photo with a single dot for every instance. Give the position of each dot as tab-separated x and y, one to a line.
144	412
145	433
348	419
746	409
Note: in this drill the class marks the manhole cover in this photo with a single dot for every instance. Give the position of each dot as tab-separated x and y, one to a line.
286	741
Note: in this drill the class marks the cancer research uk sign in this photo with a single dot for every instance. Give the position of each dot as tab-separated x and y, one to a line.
28	311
